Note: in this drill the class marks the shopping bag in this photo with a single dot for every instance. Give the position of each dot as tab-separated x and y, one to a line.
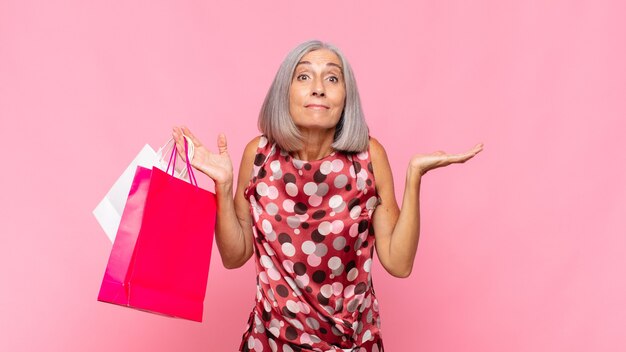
108	212
161	255
162	161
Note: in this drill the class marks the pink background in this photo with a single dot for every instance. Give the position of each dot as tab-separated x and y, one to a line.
522	249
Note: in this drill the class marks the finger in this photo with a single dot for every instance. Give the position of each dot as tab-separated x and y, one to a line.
472	153
176	132
459	158
179	142
193	138
477	148
177	135
456	158
180	147
221	143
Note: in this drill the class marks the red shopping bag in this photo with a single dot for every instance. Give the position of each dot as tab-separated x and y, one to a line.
161	255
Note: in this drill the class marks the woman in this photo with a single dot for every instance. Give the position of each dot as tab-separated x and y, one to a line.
314	197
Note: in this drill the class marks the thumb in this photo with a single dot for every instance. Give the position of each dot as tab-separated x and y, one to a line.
221	143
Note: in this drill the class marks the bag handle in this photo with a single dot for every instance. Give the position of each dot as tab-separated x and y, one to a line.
192	177
191	153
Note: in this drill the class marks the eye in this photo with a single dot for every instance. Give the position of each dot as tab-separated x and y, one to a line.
333	79
302	77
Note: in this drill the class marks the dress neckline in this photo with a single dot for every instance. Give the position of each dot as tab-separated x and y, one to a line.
333	153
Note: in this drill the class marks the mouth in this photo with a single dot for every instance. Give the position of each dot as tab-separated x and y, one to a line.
316	106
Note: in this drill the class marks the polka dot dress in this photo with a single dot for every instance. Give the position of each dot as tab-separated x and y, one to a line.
313	245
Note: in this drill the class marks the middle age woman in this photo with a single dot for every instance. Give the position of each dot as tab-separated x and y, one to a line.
314	197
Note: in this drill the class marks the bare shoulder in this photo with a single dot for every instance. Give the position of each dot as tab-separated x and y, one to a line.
378	154
247	160
382	170
249	152
252	146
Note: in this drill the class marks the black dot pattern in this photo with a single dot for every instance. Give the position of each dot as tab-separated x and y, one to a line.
313	253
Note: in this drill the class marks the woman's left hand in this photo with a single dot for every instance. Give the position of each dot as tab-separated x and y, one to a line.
423	163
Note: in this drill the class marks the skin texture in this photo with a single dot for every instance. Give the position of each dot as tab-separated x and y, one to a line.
317	97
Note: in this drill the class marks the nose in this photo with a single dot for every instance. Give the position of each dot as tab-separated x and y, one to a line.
318	89
318	93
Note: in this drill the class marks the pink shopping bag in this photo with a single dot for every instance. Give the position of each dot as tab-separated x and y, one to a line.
161	255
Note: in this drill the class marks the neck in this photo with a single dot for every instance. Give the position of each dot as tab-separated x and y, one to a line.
315	144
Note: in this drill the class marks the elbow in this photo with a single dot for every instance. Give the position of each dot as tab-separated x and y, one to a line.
402	274
235	263
233	258
231	265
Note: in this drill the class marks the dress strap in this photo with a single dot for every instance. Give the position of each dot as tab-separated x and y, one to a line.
264	151
364	170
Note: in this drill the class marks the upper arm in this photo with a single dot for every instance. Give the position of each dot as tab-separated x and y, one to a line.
242	206
245	172
387	211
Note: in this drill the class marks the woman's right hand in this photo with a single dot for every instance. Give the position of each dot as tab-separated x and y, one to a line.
217	166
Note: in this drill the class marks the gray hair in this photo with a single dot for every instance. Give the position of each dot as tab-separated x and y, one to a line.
275	122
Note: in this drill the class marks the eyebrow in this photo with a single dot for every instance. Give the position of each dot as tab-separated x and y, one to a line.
328	64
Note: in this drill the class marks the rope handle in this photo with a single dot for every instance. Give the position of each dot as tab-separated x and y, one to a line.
161	157
189	155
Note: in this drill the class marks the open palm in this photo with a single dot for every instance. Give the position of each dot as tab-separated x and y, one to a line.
425	162
217	166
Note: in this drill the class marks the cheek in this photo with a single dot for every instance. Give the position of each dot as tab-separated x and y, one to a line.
340	98
341	103
294	104
294	92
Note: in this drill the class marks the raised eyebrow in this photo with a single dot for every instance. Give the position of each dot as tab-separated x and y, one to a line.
335	65
328	64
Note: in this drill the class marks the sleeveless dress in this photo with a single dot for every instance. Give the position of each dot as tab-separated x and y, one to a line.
313	246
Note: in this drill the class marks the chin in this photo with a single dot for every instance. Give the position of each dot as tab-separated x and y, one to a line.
321	125
316	126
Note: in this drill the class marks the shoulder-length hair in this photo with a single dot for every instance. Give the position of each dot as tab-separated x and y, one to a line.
275	122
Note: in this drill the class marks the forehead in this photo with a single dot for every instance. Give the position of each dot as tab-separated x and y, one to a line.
321	57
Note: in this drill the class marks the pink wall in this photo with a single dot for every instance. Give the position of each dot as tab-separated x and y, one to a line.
522	249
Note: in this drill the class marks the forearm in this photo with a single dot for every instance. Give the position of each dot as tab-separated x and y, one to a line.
405	235
229	234
397	229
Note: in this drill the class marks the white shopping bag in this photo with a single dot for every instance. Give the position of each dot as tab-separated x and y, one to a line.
163	157
109	210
